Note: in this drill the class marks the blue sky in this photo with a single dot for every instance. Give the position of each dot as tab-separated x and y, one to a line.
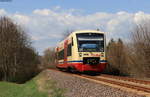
46	20
88	6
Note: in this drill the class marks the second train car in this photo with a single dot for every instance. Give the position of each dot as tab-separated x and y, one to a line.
82	51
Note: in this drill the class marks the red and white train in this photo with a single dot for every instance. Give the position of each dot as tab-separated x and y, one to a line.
82	51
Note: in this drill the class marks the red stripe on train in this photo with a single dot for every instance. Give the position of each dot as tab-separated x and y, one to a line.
84	67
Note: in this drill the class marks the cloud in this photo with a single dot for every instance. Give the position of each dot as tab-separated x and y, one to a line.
46	26
2	12
140	16
21	19
44	12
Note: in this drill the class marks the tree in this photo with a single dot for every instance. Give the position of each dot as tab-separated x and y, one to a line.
48	59
116	56
18	59
140	56
66	33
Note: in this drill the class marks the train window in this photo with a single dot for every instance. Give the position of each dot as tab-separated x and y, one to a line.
69	50
90	42
72	41
61	55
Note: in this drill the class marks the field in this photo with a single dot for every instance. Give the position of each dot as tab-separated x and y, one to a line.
37	87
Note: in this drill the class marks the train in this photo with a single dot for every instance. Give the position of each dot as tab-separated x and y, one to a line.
82	51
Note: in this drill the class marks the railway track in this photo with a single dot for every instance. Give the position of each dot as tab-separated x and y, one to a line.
145	82
138	86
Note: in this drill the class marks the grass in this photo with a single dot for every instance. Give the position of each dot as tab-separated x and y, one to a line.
37	87
28	89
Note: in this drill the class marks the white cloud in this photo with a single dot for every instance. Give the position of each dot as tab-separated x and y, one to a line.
140	16
46	26
21	19
56	8
45	12
2	12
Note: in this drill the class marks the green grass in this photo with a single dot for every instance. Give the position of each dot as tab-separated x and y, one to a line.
39	86
29	89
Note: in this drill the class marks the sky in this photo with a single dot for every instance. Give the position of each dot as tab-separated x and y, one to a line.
45	21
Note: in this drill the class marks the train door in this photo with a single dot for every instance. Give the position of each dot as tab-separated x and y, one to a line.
65	53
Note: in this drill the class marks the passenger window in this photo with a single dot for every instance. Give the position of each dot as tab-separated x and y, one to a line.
61	55
69	50
72	41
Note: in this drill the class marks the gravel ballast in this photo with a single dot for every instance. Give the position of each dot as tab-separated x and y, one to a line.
78	87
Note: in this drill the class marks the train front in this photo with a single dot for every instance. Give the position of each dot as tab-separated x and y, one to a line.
91	51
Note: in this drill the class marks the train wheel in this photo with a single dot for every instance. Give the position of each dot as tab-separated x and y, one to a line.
72	70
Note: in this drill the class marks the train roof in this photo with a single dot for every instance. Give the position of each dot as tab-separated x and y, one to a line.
85	31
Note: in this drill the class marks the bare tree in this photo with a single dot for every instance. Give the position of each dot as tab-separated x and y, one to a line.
66	33
116	56
17	57
48	59
140	56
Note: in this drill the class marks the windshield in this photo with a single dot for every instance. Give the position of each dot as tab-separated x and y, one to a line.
90	42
